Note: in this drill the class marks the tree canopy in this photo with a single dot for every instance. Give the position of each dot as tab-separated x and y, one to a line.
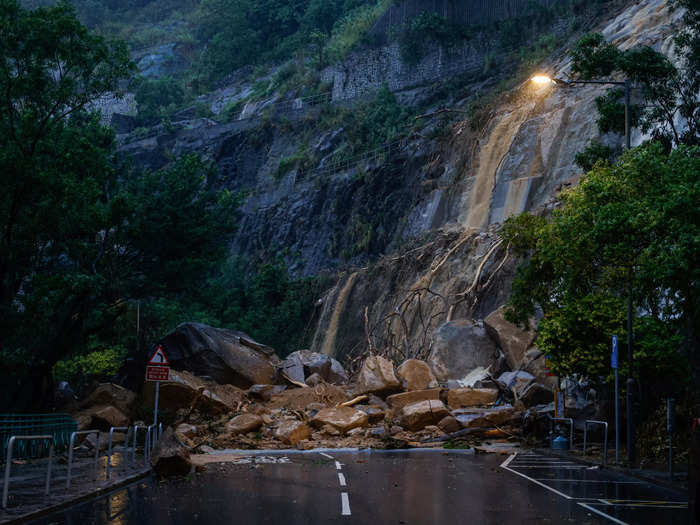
629	228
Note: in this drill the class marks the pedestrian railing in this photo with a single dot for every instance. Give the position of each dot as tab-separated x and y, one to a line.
70	453
8	462
152	435
60	426
605	439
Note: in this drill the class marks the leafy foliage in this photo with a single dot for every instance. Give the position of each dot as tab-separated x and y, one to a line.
593	153
425	29
668	94
627	228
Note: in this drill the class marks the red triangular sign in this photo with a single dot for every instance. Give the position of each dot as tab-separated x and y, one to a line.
158	358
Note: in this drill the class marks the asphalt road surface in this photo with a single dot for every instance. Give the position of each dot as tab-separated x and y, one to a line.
392	487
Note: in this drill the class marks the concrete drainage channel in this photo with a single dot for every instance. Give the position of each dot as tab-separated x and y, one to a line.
34	487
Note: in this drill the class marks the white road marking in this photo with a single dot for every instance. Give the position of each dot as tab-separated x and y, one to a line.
341	478
345	504
338	466
505	464
326	455
601	513
590	481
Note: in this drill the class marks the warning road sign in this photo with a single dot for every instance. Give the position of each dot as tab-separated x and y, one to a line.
157	373
158	358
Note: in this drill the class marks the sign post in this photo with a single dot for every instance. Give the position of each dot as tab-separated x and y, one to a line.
613	363
157	369
670	427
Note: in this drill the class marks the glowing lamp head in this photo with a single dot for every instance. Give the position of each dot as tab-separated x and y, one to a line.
542	80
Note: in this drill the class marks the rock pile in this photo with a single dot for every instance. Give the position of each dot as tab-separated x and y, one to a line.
227	391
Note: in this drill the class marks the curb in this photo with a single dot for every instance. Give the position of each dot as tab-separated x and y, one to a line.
74	501
620	470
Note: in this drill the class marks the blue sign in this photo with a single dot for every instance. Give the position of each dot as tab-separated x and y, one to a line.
613	356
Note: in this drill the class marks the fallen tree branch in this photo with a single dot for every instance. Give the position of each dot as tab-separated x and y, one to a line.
353	401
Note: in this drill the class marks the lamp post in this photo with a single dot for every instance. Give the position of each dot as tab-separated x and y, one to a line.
544	80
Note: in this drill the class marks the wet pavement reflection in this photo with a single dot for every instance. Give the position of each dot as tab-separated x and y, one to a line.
398	487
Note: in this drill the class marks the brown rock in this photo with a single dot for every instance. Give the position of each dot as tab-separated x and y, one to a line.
187	430
416	375
377	376
183	389
470	397
103	418
419	415
374	413
512	339
488	417
265	392
341	418
291	432
449	424
169	457
243	424
406	398
112	395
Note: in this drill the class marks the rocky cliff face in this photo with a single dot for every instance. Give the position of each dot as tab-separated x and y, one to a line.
426	211
518	162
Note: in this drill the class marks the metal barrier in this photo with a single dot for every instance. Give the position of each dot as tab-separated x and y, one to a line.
605	443
60	426
8	464
145	443
109	447
70	452
571	427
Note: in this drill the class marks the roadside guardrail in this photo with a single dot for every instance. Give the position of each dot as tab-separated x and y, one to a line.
8	463
605	442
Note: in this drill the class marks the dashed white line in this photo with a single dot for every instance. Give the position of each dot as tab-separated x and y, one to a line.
341	478
338	466
345	503
326	455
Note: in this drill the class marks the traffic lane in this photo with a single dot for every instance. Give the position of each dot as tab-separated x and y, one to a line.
301	491
615	496
408	487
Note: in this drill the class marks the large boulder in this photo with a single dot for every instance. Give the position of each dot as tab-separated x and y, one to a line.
407	398
513	340
377	376
470	397
341	418
112	395
227	356
300	365
419	415
244	423
170	457
460	347
183	390
103	418
415	374
534	363
291	432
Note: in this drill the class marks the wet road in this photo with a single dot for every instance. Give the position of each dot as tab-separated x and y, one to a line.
393	487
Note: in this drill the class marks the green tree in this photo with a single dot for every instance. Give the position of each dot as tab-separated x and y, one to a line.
81	238
628	228
668	97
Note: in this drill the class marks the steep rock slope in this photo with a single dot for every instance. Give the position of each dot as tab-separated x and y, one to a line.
518	162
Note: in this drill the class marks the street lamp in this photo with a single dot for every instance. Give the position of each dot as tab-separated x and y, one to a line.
543	80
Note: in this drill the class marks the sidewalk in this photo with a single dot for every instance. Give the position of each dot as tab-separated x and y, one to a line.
26	495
